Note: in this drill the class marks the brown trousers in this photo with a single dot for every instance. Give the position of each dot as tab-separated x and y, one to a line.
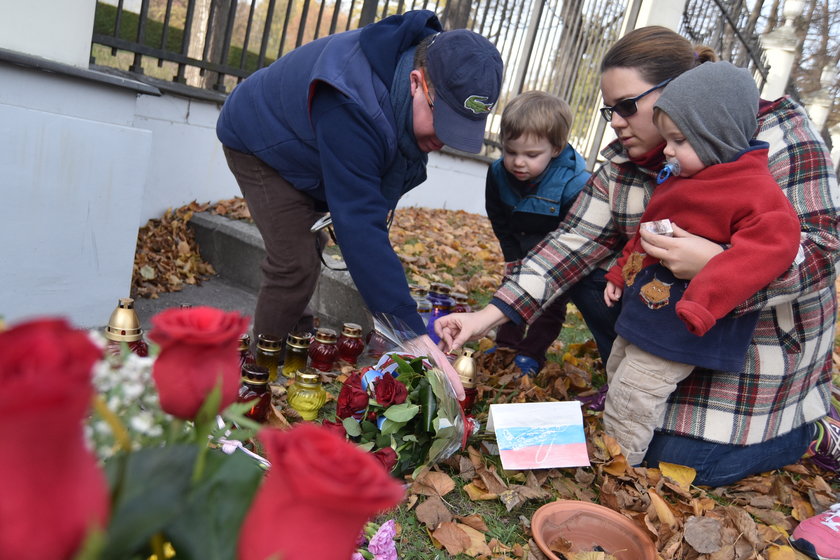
292	265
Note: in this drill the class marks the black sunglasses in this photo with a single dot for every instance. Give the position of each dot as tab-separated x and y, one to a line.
627	107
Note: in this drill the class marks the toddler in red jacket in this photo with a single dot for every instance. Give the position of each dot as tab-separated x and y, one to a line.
715	184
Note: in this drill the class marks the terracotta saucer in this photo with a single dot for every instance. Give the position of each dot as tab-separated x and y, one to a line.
586	526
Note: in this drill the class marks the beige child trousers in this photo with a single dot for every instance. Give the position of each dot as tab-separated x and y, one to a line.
639	386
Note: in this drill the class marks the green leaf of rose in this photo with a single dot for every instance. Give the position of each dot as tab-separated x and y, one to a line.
391	427
352	427
402	412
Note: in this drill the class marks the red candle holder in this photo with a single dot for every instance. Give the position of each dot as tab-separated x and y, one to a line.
323	350
350	343
254	388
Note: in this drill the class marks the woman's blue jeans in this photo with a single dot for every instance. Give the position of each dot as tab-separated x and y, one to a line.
717	464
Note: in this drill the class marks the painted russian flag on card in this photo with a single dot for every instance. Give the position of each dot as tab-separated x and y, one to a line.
539	435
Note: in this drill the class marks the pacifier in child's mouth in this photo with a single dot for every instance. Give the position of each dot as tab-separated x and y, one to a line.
672	167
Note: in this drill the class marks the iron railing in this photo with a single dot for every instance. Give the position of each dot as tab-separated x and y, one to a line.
729	28
553	45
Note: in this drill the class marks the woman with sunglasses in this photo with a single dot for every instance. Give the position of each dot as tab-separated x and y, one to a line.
724	424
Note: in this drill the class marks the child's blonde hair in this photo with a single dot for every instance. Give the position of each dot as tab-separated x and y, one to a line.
540	114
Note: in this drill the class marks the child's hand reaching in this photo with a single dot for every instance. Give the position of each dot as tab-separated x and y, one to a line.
612	294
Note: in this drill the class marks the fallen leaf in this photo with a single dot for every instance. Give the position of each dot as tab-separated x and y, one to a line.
663	510
475	521
683	476
432	512
433	483
478	542
452	537
703	534
476	493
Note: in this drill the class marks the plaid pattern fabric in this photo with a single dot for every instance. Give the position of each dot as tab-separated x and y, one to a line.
786	380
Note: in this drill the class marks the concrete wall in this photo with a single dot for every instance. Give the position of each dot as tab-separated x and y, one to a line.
72	171
49	29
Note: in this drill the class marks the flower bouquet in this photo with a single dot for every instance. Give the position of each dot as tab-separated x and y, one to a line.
405	408
162	484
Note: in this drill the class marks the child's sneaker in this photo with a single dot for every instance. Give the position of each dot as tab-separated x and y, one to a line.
824	451
528	366
819	536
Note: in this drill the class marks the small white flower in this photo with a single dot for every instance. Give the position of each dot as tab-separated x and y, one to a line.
142	422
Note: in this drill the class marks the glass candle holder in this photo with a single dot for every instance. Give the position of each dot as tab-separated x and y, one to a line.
323	351
306	395
124	326
255	388
350	343
462	303
268	354
420	295
245	355
440	307
297	353
376	344
467	368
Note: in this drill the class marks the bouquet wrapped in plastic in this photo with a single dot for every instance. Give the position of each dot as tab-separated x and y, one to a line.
405	408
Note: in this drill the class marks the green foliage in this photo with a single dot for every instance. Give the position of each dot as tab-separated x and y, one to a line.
156	496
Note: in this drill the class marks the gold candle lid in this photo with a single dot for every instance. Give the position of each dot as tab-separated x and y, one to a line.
418	290
308	376
268	343
466	367
257	375
327	336
440	288
244	342
460	297
352	330
299	340
124	326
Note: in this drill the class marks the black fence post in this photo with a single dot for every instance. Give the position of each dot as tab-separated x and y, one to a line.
368	14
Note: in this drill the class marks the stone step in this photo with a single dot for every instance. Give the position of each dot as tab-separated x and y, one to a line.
236	249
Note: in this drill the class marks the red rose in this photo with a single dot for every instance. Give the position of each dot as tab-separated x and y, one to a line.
352	398
197	346
387	456
316	498
49	480
388	391
335	427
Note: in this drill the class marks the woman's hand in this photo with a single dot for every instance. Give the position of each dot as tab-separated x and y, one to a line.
456	329
684	255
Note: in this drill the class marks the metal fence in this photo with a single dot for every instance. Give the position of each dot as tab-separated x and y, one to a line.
728	27
553	45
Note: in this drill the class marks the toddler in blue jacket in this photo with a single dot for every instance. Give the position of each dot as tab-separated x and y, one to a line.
529	190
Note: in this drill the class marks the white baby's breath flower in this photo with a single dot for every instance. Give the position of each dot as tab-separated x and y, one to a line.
142	422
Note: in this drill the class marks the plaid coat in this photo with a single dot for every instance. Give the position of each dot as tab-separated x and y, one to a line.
786	380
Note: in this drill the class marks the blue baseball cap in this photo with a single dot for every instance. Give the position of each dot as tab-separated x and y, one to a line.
466	73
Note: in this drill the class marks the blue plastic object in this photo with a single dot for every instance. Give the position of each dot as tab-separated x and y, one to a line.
672	167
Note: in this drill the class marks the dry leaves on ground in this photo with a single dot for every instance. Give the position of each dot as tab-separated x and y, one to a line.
167	256
450	246
748	520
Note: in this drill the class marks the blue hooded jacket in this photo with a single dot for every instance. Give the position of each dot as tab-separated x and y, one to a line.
522	214
322	117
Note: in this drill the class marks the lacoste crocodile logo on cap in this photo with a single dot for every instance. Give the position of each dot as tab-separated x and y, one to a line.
476	104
